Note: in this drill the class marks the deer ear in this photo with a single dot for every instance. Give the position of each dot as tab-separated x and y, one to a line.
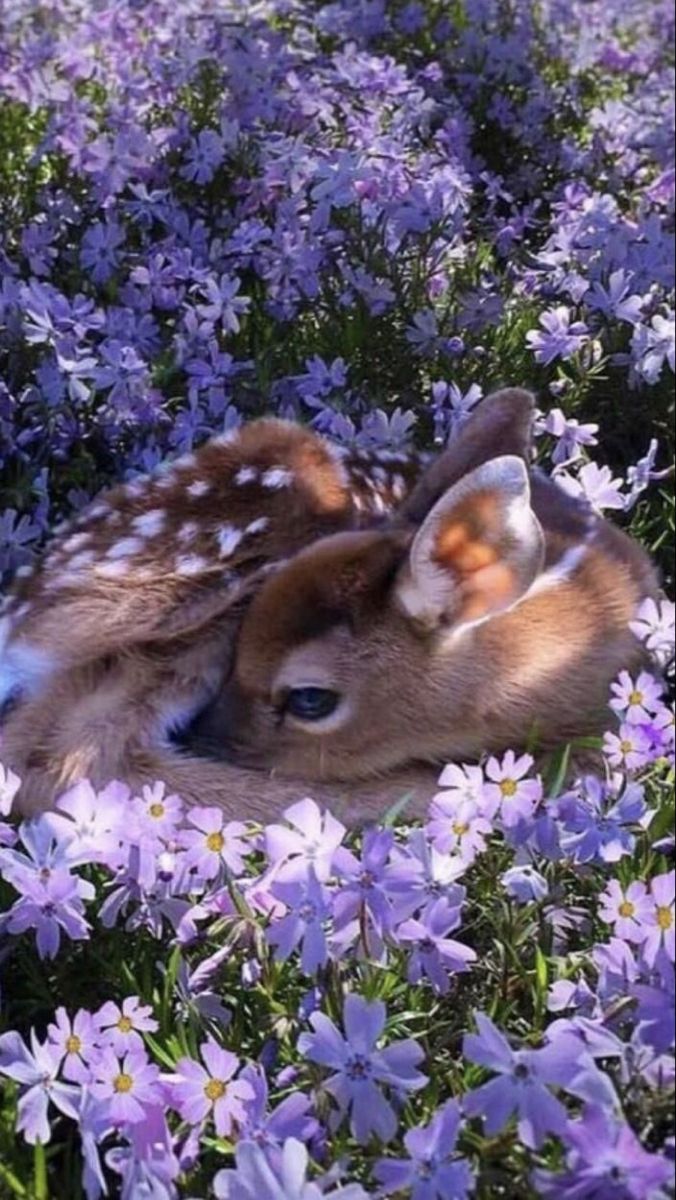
501	424
477	551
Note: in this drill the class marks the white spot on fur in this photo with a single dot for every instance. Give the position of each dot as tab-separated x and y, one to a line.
188	530
76	542
190	564
150	523
228	538
258	525
134	489
84	559
276	477
24	572
246	475
96	511
113	570
125	548
199	488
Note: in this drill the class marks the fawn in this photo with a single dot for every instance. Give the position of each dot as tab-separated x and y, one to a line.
317	615
126	626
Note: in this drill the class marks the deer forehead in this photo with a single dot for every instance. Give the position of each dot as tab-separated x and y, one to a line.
319	662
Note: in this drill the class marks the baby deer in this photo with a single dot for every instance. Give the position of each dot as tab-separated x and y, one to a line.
328	621
126	628
491	610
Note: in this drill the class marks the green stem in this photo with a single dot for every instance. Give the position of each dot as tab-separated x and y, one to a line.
40	1172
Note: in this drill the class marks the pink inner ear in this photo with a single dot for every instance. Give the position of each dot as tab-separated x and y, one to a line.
488	590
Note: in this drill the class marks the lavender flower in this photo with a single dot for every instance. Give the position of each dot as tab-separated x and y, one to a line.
435	956
211	1090
36	1070
520	1086
605	1162
433	1169
359	1067
561	338
125	1087
254	1179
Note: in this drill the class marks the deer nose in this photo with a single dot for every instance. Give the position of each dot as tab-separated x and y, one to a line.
212	732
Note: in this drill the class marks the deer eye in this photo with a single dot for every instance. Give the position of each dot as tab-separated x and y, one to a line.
311	703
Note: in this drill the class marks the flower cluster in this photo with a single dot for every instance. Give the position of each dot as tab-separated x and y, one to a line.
333	214
301	900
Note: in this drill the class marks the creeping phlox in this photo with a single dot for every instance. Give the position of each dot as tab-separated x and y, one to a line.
360	929
203	208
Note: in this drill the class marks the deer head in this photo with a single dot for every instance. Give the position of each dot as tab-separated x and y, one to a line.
478	613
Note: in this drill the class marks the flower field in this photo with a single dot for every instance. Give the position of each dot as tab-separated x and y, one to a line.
364	216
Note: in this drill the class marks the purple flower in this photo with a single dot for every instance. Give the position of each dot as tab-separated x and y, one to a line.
654	345
309	847
561	338
304	922
99	254
661	920
419	876
36	1070
435	956
570	435
213	844
520	1086
433	1169
204	156
636	700
626	909
629	749
126	1086
89	825
525	884
509	790
211	1090
457	826
617	300
593	484
363	893
654	625
596	824
121	1028
254	1178
49	905
77	1041
605	1161
270	1129
359	1067
222	304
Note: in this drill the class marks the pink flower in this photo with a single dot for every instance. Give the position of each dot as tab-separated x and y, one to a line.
156	815
626	910
121	1028
212	844
636	700
660	925
629	750
77	1042
201	1091
457	826
509	790
127	1087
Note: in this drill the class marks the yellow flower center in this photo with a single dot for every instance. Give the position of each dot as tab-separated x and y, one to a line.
636	697
125	1025
665	917
156	810
626	909
508	787
73	1044
215	1090
460	828
123	1083
626	747
215	842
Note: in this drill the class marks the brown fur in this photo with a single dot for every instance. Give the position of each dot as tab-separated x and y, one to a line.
416	681
133	656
